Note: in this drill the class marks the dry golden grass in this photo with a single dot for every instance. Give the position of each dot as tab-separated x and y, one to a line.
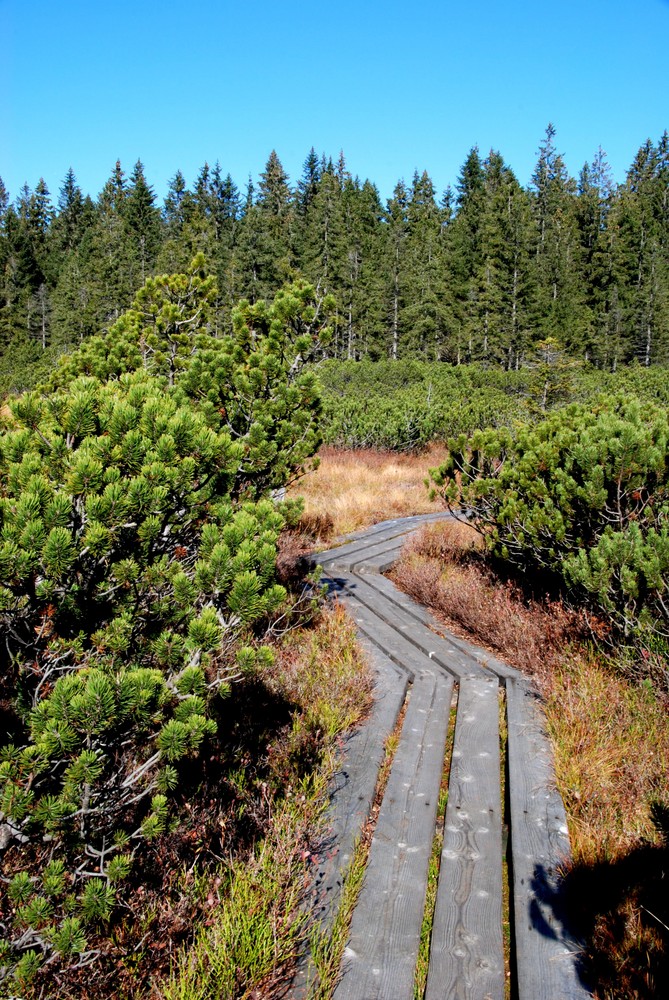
360	487
611	742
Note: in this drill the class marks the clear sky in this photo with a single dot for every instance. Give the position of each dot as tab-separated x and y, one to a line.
396	86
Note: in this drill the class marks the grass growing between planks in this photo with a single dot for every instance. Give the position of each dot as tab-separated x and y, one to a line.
359	487
611	741
327	946
256	927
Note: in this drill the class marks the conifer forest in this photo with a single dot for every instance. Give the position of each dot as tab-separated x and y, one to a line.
480	273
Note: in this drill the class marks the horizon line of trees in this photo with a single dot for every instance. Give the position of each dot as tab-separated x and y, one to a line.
482	274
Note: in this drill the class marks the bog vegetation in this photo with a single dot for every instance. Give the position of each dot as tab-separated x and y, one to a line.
156	719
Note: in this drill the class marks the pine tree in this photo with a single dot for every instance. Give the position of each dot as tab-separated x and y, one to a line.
595	196
639	239
361	295
109	270
262	259
141	220
463	260
308	184
559	307
4	266
422	318
137	559
397	225
68	226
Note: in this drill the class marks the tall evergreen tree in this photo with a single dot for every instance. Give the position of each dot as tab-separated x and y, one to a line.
422	315
141	219
361	296
108	263
68	226
308	184
397	231
559	299
463	260
263	257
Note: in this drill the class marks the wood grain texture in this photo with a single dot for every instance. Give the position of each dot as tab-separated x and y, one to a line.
458	649
380	957
351	797
466	951
405	626
545	950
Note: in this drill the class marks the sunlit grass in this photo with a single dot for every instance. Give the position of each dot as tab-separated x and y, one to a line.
360	487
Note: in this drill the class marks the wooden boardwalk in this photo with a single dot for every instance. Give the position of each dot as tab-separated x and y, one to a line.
428	674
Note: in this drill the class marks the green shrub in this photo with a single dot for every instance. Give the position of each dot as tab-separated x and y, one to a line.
585	493
137	558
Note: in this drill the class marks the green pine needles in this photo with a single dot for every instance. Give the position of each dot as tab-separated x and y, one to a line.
584	494
137	558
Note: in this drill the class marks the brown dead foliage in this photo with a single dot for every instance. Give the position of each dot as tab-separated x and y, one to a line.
442	567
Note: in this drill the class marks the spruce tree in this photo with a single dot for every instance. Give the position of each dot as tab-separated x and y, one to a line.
559	299
141	220
397	228
422	316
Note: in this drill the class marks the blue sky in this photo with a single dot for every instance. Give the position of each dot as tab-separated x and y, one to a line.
397	86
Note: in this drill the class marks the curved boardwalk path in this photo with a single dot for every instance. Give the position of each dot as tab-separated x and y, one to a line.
428	675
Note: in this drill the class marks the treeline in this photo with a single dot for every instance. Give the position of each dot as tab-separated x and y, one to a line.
479	275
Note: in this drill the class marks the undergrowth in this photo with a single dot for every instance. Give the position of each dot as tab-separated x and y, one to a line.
249	946
215	910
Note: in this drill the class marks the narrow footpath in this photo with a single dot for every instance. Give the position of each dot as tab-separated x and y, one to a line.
428	676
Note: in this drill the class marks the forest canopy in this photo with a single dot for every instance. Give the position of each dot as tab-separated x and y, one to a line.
481	273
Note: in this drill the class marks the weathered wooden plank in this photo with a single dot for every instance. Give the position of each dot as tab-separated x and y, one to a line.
351	798
347	554
397	646
380	562
409	523
545	951
466	951
346	560
404	628
380	957
457	648
362	542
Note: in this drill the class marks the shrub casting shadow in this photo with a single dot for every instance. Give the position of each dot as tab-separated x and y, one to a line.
619	910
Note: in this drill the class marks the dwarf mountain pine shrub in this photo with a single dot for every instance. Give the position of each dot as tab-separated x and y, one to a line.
584	493
137	559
